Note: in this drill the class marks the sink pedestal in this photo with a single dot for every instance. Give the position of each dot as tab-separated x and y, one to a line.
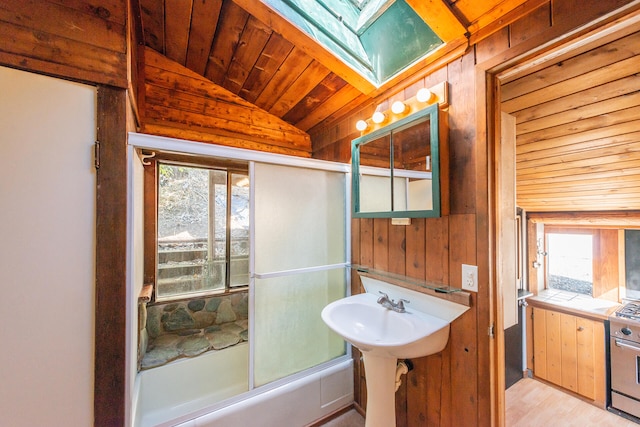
381	390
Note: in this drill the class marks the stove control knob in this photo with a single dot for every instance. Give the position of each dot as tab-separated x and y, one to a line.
626	331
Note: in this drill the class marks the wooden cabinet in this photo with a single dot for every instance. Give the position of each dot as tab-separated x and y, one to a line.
569	351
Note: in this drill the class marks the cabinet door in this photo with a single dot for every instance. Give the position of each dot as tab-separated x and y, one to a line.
539	343
569	349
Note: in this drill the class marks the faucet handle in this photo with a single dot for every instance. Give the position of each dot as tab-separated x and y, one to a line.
384	296
401	302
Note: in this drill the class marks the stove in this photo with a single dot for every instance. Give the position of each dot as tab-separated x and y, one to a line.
629	311
624	352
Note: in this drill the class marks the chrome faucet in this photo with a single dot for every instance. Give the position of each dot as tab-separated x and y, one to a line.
391	304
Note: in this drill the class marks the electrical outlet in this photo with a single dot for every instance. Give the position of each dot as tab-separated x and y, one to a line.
470	277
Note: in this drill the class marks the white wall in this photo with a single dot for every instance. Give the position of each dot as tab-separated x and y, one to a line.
47	246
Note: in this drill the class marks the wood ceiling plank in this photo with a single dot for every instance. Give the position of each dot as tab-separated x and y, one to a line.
590	79
216	124
177	26
340	98
315	98
439	17
232	112
271	59
305	43
153	22
580	176
533	187
579	113
204	21
251	44
607	119
231	24
296	62
608	54
610	90
625	68
159	127
577	167
552	151
299	88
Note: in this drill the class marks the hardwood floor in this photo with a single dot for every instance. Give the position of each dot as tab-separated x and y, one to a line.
531	403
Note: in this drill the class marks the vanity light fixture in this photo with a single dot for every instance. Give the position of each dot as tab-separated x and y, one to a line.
378	117
423	95
361	125
398	107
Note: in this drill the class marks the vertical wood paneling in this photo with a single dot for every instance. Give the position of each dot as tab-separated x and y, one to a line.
381	244
586	357
539	343
554	347
437	250
569	362
397	249
366	241
463	339
415	244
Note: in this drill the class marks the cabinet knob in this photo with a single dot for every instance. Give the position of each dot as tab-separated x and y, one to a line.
580	329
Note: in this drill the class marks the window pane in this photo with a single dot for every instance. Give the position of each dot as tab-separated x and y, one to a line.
189	260
239	230
570	262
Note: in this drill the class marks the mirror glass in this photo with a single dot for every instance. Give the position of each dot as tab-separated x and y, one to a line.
396	169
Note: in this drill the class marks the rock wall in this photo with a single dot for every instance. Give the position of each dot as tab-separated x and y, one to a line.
172	330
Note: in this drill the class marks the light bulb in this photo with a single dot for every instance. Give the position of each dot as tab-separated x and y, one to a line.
361	125
423	95
398	107
378	117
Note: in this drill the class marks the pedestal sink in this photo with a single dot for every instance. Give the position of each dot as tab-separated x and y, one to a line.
384	336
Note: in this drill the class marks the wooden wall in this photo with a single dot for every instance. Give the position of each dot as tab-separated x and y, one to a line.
180	103
77	40
454	387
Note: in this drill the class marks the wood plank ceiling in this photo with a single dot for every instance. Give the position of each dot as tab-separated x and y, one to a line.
248	49
578	130
577	127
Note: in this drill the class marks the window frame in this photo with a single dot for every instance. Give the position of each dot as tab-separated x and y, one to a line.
576	231
151	188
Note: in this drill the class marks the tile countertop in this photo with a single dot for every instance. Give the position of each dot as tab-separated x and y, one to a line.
572	303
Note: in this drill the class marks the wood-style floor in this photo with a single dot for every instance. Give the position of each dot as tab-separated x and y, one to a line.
531	403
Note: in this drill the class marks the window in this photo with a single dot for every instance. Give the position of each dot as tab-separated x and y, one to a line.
570	262
202	230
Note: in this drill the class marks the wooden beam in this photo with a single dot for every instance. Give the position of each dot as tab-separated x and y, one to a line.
438	16
306	43
111	260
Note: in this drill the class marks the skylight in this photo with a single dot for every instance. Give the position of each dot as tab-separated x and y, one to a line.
377	38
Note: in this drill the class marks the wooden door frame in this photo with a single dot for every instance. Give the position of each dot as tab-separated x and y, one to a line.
488	78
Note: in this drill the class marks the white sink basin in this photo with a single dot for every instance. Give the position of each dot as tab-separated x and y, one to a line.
381	332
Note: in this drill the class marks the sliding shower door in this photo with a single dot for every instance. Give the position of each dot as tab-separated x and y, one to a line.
299	266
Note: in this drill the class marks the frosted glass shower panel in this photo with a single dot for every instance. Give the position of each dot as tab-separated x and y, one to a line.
290	335
299	218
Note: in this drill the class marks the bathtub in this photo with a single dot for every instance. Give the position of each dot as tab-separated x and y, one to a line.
194	392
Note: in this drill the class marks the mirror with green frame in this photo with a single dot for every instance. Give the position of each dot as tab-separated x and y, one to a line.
396	169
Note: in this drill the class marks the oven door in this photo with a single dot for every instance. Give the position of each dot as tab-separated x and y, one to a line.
625	367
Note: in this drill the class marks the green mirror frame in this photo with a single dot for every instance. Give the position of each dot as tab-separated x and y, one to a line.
428	117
